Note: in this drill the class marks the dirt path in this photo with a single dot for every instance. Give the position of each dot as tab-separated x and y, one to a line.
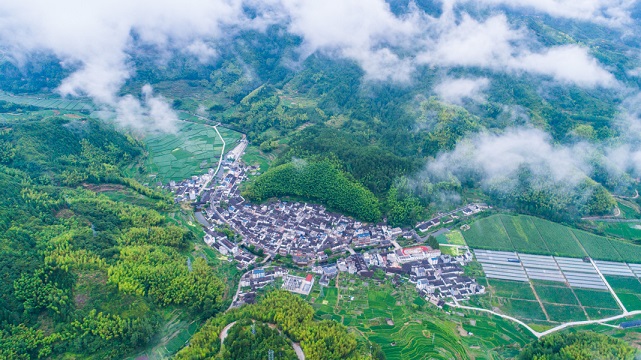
223	334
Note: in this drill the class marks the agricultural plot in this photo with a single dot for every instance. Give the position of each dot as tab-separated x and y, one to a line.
596	299
630	231
628	289
406	327
556	295
596	246
628	252
191	151
565	313
512	289
524	234
488	233
56	103
529	310
596	313
559	239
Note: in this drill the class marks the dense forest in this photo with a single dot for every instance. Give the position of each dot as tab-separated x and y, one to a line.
81	273
321	181
578	346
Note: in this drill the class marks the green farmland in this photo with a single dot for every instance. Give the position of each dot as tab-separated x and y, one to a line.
546	304
406	327
532	235
190	151
47	102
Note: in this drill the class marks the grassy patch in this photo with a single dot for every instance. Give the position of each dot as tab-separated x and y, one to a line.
455	238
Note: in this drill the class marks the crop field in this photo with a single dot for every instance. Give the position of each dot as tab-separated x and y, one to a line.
407	327
628	290
528	234
512	289
488	233
556	295
561	303
524	234
596	246
565	313
596	299
559	239
190	151
630	231
524	309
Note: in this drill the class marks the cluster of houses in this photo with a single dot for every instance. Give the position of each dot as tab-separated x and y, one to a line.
309	234
438	277
188	189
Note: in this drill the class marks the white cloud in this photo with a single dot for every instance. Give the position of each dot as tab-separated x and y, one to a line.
151	114
203	52
361	30
457	90
608	12
495	45
498	158
98	37
569	64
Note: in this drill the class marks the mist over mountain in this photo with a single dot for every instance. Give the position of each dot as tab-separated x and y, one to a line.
527	75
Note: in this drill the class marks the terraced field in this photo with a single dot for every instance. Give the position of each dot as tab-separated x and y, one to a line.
406	327
190	151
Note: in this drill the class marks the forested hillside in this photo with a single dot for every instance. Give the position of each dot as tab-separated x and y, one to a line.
320	340
82	274
321	181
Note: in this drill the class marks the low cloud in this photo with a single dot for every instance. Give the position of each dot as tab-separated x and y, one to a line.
97	39
614	13
457	90
150	113
498	159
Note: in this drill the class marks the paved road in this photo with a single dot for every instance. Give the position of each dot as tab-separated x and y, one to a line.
554	329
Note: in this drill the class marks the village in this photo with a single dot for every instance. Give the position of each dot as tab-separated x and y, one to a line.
316	240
